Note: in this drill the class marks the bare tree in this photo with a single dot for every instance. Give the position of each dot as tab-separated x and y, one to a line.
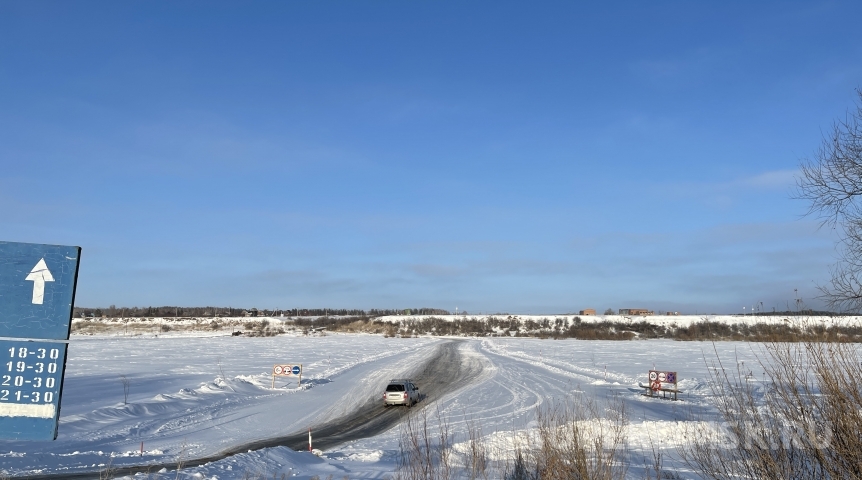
832	182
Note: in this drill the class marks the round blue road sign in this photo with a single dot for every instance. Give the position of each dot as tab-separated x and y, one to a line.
296	369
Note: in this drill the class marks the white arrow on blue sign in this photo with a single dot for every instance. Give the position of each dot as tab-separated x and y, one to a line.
296	369
37	293
37	289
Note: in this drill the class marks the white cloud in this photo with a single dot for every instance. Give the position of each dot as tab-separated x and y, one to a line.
773	179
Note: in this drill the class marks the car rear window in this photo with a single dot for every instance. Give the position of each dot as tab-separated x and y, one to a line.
395	388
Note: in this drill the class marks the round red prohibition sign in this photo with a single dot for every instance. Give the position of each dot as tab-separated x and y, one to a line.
278	370
655	386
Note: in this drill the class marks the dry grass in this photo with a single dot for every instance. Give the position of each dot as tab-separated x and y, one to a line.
86	327
364	326
425	454
806	424
109	471
580	438
134	327
576	439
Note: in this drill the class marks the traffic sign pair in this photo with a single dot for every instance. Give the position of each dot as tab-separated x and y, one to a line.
669	377
287	370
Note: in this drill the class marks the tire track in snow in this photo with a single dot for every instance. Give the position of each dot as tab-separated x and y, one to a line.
568	369
446	371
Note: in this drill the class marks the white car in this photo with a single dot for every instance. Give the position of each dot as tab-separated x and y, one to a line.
401	391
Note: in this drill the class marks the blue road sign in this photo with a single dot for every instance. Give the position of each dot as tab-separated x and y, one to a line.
296	369
37	292
31	379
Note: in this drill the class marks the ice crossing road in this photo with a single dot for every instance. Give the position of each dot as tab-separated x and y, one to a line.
444	372
495	384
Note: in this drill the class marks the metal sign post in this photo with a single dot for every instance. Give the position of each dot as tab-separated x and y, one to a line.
37	292
289	370
661	382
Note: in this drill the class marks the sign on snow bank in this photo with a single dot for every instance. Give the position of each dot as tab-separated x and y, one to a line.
286	370
37	292
664	382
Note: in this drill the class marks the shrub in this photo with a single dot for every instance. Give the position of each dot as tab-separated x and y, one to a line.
808	424
575	439
579	438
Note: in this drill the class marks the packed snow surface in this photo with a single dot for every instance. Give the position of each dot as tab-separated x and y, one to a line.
194	396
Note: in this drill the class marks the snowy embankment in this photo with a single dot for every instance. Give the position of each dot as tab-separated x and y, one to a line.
193	395
182	326
661	320
503	325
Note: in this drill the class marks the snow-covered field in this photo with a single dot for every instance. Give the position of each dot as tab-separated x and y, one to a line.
193	395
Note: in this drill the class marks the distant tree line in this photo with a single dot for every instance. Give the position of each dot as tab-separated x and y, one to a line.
114	311
560	328
802	311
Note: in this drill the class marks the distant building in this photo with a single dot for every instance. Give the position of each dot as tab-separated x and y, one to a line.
636	311
672	313
588	311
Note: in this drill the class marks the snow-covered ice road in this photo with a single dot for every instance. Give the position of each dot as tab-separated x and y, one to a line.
442	372
205	397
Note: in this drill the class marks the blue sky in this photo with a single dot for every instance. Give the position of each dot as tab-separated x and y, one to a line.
494	156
